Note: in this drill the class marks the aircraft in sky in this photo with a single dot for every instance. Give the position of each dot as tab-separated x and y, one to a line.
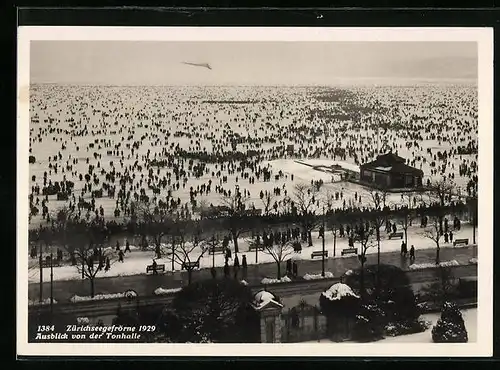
205	65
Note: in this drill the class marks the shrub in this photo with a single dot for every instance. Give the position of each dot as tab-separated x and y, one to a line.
450	328
369	324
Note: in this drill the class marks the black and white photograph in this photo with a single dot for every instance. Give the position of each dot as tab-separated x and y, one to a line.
327	190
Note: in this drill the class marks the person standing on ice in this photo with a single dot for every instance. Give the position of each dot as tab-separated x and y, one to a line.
127	246
120	256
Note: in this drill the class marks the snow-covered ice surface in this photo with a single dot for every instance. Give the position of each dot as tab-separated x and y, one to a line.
470	320
65	120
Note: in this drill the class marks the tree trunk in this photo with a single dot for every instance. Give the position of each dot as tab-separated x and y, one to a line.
309	238
190	275
235	241
334	241
92	288
362	279
437	255
173	256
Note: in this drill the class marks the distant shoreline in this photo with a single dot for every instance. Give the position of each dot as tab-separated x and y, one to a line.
386	82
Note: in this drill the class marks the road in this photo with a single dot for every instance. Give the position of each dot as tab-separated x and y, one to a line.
146	284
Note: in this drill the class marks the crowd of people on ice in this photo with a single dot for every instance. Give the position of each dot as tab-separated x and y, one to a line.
100	149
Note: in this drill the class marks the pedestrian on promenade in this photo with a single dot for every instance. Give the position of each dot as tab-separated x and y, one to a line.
226	269
446	237
295	269
289	267
451	236
244	265
412	253
236	266
155	265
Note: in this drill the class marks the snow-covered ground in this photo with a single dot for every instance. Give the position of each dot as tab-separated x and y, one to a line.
136	261
470	320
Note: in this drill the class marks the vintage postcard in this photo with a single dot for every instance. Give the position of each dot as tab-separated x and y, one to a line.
255	191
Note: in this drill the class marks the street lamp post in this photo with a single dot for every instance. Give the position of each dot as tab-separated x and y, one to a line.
323	245
51	282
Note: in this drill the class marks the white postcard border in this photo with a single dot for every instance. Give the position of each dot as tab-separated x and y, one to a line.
484	38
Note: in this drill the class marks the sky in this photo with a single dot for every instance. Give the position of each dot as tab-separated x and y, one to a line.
247	63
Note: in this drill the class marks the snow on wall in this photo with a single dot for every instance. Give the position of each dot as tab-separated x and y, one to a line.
328	275
339	291
284	279
161	291
421	266
127	294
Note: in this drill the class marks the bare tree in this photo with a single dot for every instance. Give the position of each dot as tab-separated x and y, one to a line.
440	192
365	238
434	233
86	242
235	204
406	212
191	246
280	250
153	219
267	200
378	218
305	200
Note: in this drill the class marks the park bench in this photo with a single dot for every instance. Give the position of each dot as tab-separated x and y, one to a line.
398	234
319	254
253	247
190	265
349	251
218	249
460	241
46	263
159	268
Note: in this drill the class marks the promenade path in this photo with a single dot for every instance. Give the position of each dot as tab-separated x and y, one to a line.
146	284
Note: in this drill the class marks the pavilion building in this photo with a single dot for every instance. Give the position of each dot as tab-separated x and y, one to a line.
390	171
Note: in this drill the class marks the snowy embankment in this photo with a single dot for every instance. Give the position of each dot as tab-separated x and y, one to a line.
421	266
284	279
328	275
100	297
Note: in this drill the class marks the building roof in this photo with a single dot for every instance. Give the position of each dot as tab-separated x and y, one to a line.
392	163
